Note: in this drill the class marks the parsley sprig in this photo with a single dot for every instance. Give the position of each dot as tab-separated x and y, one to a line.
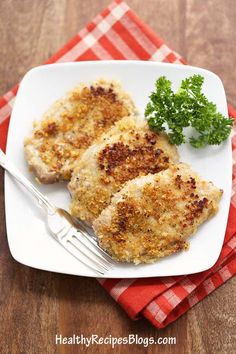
188	107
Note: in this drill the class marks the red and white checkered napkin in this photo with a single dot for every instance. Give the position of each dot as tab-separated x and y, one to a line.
117	33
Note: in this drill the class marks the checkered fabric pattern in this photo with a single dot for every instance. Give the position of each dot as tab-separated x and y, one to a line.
117	33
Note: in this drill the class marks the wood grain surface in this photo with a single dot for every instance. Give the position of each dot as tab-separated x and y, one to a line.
35	305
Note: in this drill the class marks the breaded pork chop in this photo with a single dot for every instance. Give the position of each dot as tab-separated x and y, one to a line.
153	215
72	124
128	150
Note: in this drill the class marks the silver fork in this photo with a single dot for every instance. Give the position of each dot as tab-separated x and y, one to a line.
69	231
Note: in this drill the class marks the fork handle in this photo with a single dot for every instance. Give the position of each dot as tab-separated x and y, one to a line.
9	167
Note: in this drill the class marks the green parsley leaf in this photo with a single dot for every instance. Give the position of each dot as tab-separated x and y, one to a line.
189	107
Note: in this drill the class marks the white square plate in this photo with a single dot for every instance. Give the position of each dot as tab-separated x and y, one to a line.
28	238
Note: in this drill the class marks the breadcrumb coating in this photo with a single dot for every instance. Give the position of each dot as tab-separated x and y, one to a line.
71	125
128	150
153	215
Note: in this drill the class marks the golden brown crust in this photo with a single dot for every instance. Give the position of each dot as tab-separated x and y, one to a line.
128	150
123	162
71	125
152	216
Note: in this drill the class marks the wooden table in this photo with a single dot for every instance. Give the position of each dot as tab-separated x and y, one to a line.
35	305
